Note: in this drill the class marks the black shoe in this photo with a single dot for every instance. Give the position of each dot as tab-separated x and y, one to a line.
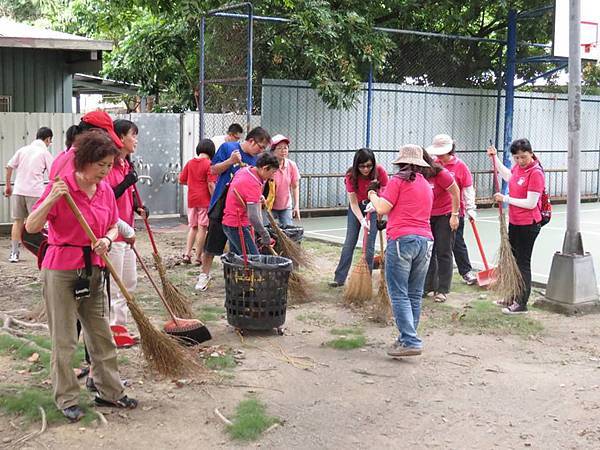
90	385
73	413
123	402
335	284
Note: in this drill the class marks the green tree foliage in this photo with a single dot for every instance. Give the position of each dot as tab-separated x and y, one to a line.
331	43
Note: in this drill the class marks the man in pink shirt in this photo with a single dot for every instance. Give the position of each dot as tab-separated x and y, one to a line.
30	162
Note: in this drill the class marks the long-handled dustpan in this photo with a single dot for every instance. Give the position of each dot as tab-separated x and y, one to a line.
487	276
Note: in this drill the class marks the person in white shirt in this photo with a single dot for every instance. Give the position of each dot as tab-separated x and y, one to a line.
30	163
234	134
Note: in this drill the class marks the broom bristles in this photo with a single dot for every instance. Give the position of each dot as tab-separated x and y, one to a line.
297	288
382	308
360	284
178	303
162	352
509	281
288	248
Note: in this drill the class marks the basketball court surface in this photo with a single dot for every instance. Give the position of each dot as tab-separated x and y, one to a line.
333	230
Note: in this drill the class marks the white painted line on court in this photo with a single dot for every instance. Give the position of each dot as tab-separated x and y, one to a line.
331	236
328	229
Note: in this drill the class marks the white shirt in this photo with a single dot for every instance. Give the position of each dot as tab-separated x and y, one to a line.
30	163
218	140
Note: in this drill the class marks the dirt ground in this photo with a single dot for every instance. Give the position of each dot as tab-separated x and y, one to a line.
472	387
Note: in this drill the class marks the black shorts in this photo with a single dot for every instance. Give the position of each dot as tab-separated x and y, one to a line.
215	238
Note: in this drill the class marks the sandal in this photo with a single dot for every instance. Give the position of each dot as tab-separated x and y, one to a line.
187	259
124	402
82	372
440	297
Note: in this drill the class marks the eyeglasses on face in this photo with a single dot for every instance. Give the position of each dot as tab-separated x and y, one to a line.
367	165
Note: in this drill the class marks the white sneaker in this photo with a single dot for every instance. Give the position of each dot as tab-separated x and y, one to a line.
14	257
203	280
470	278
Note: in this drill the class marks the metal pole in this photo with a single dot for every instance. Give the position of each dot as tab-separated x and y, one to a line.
369	104
573	243
509	102
249	64
201	80
498	98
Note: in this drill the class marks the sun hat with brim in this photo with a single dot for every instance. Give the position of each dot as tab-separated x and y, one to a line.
411	154
441	145
278	139
102	120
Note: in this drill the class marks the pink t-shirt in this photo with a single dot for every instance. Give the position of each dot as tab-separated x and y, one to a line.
115	177
462	175
529	179
442	200
65	235
363	183
30	163
63	164
249	185
286	176
411	206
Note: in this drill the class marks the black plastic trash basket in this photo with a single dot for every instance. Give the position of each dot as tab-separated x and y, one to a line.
256	297
295	233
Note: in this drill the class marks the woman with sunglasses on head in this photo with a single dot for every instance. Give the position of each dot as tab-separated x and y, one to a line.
364	170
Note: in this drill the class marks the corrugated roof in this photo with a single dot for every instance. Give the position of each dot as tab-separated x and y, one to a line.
15	34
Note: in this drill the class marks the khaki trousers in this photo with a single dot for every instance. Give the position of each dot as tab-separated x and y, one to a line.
63	311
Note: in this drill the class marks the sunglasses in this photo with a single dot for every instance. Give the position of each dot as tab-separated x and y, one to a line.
368	165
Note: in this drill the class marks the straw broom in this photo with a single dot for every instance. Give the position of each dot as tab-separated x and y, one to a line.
360	284
178	302
382	309
288	248
162	352
508	282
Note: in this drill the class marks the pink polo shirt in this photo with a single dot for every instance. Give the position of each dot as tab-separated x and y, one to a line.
116	175
249	185
30	162
529	179
411	207
363	183
462	175
63	164
442	200
286	176
65	235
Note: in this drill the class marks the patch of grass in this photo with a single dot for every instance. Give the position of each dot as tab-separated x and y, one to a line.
345	331
349	338
315	318
210	313
220	362
481	316
250	420
24	402
460	287
122	360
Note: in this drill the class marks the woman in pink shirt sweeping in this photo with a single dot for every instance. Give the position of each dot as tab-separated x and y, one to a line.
526	183
287	183
407	201
72	273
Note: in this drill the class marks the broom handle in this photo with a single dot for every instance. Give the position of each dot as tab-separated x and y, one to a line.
150	234
162	298
381	244
496	183
366	236
476	233
90	234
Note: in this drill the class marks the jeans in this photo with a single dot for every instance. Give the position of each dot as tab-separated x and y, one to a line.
284	216
235	244
439	275
352	231
522	238
461	253
406	262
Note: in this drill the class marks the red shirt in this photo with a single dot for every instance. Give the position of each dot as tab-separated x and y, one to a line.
411	207
462	175
115	177
529	179
249	186
442	200
363	183
196	174
65	235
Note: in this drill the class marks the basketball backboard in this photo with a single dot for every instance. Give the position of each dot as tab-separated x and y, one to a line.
590	31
